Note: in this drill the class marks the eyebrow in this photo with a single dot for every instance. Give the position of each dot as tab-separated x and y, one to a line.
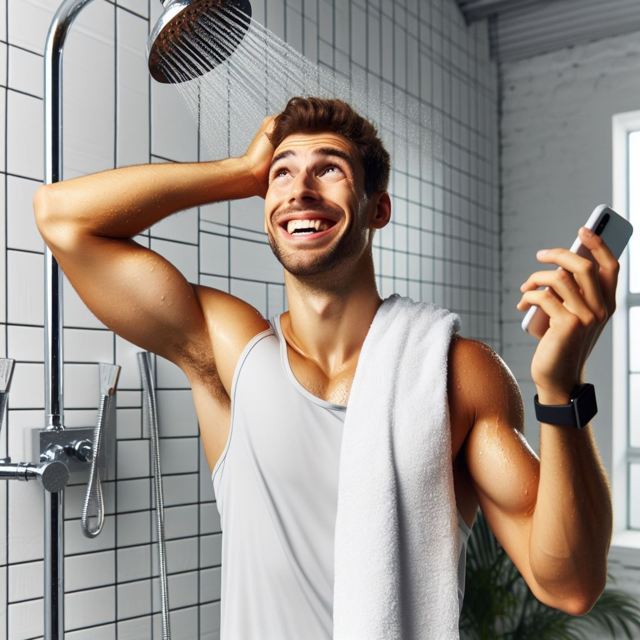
323	151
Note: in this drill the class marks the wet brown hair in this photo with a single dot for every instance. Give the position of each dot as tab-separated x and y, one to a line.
317	115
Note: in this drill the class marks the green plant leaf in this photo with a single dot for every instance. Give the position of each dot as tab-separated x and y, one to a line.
616	611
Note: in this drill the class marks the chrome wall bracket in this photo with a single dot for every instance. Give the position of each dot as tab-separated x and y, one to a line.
76	445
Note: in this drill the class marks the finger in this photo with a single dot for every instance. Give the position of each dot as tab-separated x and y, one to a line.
586	274
548	302
267	122
609	266
566	288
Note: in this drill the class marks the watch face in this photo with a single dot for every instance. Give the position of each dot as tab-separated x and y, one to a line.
584	405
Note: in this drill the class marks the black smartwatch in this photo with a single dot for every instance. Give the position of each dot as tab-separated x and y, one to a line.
581	408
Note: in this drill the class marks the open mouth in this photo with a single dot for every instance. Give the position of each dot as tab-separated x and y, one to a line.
303	230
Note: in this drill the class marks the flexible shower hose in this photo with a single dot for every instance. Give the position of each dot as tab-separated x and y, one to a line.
149	403
94	486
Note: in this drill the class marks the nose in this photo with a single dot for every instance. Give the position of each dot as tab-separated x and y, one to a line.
303	187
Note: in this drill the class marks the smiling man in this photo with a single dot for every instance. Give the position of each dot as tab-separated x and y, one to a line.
274	452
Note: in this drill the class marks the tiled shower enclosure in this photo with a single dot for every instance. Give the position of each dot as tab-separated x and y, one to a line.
442	245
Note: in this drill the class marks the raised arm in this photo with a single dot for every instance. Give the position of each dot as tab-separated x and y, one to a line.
88	223
553	516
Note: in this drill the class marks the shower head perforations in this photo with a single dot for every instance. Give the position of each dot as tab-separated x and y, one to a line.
191	37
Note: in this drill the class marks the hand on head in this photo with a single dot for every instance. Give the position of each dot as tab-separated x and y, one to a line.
259	154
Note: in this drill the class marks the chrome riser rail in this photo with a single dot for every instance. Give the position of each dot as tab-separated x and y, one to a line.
54	502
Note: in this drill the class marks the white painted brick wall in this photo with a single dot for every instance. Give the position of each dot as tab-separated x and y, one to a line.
556	166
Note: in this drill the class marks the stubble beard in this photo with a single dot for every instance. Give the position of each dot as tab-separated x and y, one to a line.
321	260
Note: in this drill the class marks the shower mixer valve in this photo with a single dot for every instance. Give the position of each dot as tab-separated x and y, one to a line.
61	452
52	471
58	452
77	446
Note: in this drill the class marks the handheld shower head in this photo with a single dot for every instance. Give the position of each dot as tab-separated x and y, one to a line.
191	37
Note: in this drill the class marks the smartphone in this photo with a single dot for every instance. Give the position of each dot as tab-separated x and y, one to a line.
615	232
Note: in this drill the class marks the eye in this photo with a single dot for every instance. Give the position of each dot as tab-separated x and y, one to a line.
278	173
330	169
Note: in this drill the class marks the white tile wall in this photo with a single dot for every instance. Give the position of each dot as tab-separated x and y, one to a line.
3	114
134	629
134	562
24	619
28	22
3	20
134	599
88	93
26	580
25	130
441	245
25	287
89	607
103	568
21	227
132	88
26	72
3	603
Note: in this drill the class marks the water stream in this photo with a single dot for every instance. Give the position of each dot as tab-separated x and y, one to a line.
256	75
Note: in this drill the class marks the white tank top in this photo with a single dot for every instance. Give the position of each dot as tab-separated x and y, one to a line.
276	489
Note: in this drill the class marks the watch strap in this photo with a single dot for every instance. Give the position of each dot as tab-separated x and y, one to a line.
577	413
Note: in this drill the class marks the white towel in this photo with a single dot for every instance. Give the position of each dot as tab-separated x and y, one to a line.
396	540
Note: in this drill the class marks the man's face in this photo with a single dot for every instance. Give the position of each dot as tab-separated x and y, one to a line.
316	181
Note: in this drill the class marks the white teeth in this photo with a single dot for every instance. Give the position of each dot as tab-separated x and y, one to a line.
317	225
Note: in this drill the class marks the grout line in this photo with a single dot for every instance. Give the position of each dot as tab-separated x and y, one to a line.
5	257
421	161
500	207
22	177
150	123
199	447
116	76
392	62
228	204
20	91
123	8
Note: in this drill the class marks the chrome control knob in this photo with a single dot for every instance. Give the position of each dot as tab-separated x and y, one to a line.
83	450
53	475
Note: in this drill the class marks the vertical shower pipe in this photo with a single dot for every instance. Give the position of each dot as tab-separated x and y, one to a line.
53	374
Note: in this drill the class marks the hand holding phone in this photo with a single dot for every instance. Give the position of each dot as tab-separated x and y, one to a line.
614	230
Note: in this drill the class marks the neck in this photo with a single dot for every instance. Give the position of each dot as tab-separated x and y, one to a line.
328	324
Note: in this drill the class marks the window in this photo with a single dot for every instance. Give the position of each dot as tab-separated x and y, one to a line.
626	335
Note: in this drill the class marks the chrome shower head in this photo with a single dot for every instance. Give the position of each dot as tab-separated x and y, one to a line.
191	37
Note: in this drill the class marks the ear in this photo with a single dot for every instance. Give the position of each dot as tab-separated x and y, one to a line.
381	203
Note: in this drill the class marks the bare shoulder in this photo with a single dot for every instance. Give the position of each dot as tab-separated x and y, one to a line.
480	385
231	324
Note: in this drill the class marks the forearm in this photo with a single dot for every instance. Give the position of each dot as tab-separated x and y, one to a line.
572	521
123	202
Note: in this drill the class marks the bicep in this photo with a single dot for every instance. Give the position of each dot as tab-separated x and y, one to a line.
503	467
136	293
